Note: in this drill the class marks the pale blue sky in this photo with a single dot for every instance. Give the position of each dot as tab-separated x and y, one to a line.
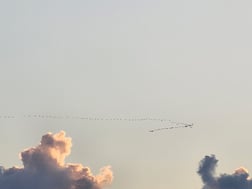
182	60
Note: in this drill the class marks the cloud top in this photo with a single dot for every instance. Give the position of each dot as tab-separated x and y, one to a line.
44	167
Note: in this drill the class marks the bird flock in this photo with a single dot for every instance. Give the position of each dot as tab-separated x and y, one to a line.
175	125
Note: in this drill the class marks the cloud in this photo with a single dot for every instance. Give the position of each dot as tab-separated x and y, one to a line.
44	167
237	180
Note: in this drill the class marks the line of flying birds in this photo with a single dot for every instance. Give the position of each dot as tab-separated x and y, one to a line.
175	127
46	116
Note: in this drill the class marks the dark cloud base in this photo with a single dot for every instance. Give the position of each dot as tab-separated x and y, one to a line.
237	180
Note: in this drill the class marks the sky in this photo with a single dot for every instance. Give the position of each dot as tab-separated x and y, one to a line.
187	61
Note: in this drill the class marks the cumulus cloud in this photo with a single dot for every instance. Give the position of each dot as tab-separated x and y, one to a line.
44	167
237	180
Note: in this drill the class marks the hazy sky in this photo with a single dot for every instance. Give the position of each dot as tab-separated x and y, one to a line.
182	60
